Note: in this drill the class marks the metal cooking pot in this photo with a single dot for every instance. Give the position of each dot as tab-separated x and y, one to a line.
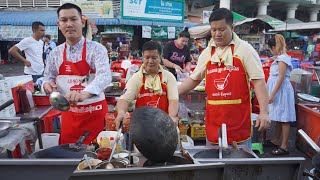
109	88
73	151
174	160
6	125
4	128
153	133
214	153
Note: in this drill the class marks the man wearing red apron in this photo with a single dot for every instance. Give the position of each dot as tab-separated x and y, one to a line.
150	86
79	69
227	65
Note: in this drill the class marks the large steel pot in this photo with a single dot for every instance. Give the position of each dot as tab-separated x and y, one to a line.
153	133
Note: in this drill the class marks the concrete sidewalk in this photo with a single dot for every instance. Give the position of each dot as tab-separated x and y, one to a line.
11	69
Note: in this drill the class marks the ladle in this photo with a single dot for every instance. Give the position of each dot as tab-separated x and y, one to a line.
59	102
109	164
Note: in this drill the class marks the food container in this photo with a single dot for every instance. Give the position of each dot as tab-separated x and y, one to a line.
116	76
84	165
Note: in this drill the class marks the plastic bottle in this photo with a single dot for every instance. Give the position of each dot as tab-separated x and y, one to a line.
111	141
24	103
30	98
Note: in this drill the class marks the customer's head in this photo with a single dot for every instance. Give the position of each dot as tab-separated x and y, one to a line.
38	29
221	22
151	54
70	22
183	38
47	38
277	45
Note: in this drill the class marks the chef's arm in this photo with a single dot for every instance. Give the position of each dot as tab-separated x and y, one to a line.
187	85
260	88
173	110
122	108
261	92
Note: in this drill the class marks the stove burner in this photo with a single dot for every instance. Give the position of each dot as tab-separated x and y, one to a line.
174	160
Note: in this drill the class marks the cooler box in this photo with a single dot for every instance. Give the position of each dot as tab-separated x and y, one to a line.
5	95
308	120
14	82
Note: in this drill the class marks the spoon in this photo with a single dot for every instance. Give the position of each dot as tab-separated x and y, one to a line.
59	102
109	164
87	161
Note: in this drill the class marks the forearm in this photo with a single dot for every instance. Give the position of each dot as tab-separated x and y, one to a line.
15	53
168	64
277	86
261	92
173	108
122	106
187	85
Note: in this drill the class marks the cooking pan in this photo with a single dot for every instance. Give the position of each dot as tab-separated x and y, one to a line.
153	133
73	151
6	125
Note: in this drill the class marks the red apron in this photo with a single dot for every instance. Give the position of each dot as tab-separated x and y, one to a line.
148	98
228	101
87	115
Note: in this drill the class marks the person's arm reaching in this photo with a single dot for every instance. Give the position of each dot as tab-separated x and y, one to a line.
122	109
263	121
187	85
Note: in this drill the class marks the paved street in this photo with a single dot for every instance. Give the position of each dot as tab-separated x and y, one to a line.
11	69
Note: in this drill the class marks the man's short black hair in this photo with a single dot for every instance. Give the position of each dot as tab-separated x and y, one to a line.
69	6
152	45
220	14
47	36
36	24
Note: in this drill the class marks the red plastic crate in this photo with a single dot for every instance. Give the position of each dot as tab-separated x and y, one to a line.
41	100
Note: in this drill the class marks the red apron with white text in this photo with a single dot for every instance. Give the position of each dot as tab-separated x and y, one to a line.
87	115
228	101
149	98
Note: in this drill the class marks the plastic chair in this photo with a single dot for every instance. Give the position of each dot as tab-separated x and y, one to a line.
120	70
47	121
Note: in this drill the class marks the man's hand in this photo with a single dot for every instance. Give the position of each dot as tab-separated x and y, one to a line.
263	121
175	120
27	63
177	68
120	117
49	87
74	96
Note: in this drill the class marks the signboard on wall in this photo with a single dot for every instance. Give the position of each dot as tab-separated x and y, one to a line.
160	32
17	33
164	10
127	29
95	9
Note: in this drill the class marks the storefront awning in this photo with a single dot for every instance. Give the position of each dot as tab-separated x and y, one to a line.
271	20
298	26
25	18
49	18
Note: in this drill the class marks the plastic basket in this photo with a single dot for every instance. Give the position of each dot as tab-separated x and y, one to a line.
41	100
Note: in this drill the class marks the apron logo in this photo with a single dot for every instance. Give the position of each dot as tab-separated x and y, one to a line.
221	83
68	68
86	109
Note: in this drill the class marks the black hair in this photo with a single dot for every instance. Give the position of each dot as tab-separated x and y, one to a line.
152	45
36	24
69	6
220	14
184	33
47	36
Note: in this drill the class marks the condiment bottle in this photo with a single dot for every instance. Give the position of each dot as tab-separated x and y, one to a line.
111	141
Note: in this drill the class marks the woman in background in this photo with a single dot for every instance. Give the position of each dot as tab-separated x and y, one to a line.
281	102
176	54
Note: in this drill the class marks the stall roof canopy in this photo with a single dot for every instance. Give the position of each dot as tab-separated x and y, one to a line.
271	20
49	18
238	17
298	26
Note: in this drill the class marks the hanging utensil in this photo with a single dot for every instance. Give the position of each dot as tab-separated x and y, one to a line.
109	165
87	160
59	102
6	104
